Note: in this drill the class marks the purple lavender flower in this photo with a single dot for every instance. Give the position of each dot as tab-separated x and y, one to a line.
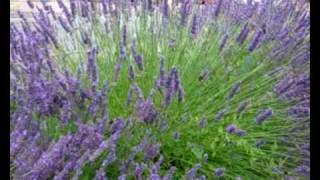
290	178
303	170
73	7
193	171
150	8
100	175
220	114
146	111
217	11
170	85
138	149
66	112
124	35
65	10
243	34
152	151
155	169
123	53
265	114
64	24
231	128
223	42
131	72
203	177
299	111
30	4
203	122
117	71
52	12
129	98
111	158
255	41
122	177
138	92
137	58
84	8
260	142
172	43
165	9
50	160
284	84
104	7
194	26
304	79
235	89
219	172
138	171
163	126
170	173
117	126
80	164
162	78
242	107
240	132
102	147
184	12
176	135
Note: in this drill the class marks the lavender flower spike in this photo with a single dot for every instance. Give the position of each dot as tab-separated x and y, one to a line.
216	13
194	26
139	170
220	115
223	42
235	89
203	122
303	170
30	4
100	174
117	71
219	172
242	106
155	169
170	173
122	177
64	24
192	172
124	35
299	111
231	128
129	98
131	72
165	8
264	115
203	177
244	33
137	58
255	41
184	12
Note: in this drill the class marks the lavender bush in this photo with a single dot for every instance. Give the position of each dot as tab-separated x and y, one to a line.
160	90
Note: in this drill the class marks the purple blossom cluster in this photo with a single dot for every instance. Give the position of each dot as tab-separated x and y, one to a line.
43	92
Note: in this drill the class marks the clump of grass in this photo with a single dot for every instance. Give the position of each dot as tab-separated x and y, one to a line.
134	91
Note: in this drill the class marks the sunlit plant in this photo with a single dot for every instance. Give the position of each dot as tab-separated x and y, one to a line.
145	90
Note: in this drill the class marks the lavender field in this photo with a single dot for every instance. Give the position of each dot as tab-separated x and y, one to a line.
160	90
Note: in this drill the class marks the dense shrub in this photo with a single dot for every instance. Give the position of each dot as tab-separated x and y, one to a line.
137	90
